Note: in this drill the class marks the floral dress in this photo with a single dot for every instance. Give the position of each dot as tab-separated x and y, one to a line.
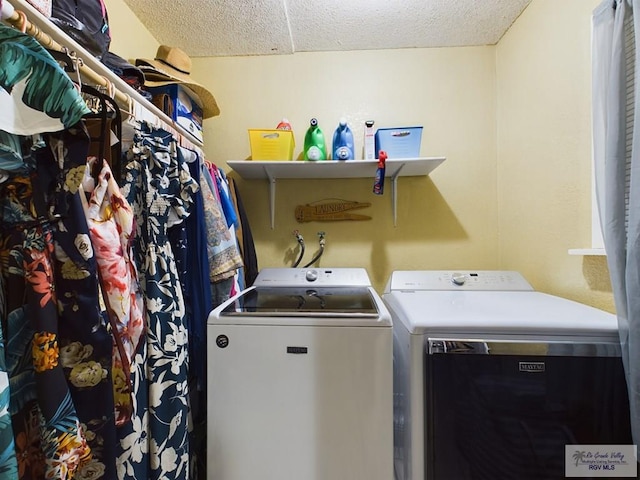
86	351
155	445
112	224
54	336
10	159
50	440
8	464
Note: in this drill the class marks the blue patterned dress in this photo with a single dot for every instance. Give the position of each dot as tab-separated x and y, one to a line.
155	445
85	344
49	439
36	96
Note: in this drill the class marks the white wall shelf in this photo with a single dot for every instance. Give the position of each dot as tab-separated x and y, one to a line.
587	251
274	170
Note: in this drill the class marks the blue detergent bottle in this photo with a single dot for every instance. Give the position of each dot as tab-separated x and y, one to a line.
343	142
314	145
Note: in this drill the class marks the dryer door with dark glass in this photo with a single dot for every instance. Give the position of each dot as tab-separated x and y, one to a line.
498	410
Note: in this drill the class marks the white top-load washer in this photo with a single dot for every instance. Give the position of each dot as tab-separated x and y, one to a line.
299	379
492	379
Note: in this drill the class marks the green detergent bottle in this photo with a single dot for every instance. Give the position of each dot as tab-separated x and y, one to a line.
314	145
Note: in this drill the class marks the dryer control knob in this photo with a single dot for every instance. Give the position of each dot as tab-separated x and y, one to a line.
458	279
312	276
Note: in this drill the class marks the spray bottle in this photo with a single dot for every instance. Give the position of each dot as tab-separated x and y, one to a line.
314	144
284	125
343	142
378	183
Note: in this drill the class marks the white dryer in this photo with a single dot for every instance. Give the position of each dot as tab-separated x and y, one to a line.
300	370
493	379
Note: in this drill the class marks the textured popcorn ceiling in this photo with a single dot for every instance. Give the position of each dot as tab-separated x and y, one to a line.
271	27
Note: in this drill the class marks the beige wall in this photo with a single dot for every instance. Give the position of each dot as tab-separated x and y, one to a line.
130	39
512	120
544	150
446	220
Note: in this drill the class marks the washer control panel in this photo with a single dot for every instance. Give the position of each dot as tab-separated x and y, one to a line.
479	280
324	277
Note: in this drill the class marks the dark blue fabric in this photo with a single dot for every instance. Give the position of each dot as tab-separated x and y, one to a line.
198	288
82	325
194	268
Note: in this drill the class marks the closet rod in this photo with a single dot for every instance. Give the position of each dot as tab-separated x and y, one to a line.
22	24
53	38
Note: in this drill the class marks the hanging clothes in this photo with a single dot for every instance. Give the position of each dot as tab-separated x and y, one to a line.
196	285
11	163
36	95
8	462
198	303
222	190
47	363
245	239
155	445
85	343
50	440
112	224
223	254
223	288
179	241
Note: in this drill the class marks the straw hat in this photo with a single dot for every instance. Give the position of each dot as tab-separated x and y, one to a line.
172	65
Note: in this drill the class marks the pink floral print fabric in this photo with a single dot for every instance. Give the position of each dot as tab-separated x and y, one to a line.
111	228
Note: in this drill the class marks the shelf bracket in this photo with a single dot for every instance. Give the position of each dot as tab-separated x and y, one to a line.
394	194
272	197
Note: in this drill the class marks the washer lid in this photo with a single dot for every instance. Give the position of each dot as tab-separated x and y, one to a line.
303	305
497	313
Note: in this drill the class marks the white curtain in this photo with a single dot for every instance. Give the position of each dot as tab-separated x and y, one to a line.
616	147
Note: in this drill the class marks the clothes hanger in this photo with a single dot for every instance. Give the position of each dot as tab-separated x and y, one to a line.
107	112
64	60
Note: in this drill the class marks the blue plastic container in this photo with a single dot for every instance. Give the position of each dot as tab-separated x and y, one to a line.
343	148
399	142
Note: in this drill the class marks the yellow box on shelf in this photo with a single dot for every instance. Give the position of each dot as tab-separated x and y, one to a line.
271	144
